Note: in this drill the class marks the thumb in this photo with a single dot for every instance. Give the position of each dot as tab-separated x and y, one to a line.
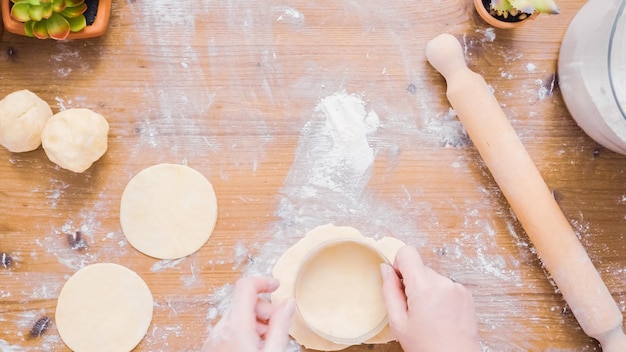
395	299
278	329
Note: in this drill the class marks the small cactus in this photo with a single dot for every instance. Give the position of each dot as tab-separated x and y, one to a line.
515	7
54	19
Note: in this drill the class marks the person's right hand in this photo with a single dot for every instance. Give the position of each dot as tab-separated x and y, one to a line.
427	311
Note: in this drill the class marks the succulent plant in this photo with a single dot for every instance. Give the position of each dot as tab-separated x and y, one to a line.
515	7
54	19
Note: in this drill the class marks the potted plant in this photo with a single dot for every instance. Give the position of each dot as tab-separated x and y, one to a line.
512	13
56	19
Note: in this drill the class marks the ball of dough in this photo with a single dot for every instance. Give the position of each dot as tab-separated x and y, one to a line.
75	138
23	116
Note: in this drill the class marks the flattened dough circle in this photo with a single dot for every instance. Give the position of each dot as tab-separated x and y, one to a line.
286	271
168	211
339	291
104	307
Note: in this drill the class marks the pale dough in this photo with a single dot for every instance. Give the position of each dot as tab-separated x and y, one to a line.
23	116
339	291
168	211
75	138
104	307
286	270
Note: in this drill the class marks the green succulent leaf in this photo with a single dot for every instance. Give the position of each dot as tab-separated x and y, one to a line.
526	6
35	13
501	5
28	28
19	12
39	30
546	6
33	2
58	6
47	11
58	27
74	11
72	3
77	24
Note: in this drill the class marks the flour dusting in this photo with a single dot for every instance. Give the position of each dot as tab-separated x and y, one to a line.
289	14
166	264
176	113
6	347
328	183
56	244
333	162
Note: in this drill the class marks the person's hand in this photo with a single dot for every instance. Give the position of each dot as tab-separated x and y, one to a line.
427	311
252	323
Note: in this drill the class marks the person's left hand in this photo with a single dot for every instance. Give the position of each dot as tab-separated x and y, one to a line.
252	323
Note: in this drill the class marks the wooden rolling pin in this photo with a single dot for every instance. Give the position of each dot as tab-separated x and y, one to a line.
532	201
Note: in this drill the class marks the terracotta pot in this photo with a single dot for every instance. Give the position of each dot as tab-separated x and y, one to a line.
486	16
96	29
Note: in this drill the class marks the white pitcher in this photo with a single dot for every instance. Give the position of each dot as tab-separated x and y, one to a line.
592	71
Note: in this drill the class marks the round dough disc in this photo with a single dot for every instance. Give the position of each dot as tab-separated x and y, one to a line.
288	265
168	211
339	291
104	307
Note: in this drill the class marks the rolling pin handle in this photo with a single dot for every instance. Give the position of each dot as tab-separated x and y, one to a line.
445	54
614	341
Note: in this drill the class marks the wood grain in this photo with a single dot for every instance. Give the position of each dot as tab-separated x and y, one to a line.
230	88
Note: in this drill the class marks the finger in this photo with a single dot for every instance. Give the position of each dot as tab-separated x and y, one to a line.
264	309
409	263
278	331
246	294
395	299
261	329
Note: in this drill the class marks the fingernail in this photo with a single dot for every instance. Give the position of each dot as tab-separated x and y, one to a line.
273	283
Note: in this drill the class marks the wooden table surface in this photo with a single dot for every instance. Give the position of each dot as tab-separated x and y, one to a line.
233	89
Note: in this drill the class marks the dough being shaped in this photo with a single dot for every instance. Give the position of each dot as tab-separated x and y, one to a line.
23	116
104	307
338	291
75	138
168	211
287	267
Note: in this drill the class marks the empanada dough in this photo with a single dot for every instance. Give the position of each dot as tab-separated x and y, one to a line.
168	211
75	138
23	116
286	271
104	307
339	293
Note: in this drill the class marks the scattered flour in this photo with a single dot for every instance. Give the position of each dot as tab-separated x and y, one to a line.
333	162
289	14
65	59
166	264
328	182
489	34
530	67
6	347
56	243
